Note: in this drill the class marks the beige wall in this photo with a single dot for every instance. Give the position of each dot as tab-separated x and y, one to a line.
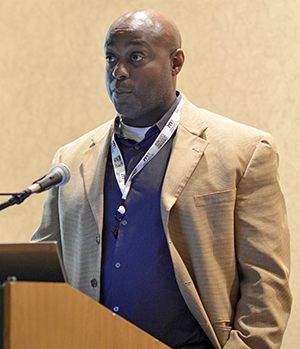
242	61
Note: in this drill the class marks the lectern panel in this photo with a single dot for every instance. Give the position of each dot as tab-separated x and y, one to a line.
55	315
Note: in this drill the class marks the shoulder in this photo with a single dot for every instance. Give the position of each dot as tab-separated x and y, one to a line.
89	139
73	151
230	145
221	130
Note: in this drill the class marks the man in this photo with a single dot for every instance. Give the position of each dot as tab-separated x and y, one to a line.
174	217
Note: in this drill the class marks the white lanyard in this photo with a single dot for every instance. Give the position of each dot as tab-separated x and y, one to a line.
118	162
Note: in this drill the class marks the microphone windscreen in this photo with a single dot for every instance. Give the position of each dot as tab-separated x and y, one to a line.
64	171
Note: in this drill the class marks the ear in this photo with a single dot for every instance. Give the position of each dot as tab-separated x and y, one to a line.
177	60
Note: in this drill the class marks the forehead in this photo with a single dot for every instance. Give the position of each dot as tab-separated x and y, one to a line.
128	39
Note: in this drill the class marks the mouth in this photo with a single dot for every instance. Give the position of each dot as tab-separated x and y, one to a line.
121	91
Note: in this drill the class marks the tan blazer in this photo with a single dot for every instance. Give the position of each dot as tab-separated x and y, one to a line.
225	221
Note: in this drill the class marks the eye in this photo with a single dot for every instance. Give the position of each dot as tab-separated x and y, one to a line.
136	57
110	58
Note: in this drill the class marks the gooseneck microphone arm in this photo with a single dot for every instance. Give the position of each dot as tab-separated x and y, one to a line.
58	174
17	198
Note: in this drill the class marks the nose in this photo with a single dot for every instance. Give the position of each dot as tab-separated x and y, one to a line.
120	72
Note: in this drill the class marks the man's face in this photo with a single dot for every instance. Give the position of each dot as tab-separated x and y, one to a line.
139	77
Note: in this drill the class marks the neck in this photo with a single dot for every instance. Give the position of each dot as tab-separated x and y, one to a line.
149	119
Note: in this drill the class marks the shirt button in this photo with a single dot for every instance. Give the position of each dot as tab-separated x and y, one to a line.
137	147
94	283
124	222
98	239
117	265
116	309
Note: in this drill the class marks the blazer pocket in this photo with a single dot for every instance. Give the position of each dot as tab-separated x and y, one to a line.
215	216
216	198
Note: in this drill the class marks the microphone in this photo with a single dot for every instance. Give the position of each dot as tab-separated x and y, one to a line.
59	174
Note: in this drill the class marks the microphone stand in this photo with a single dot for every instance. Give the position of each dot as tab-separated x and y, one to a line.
16	198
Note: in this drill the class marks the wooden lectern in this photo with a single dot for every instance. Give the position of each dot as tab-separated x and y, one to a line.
53	315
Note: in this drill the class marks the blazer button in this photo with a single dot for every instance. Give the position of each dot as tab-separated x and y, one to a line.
98	239
94	283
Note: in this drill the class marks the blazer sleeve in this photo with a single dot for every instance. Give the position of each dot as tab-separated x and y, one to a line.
262	250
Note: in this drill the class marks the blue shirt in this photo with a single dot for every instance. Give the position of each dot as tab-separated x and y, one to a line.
137	275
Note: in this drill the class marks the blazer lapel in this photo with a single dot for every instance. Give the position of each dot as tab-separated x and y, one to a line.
186	154
94	165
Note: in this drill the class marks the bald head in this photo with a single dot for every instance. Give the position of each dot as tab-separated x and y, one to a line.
152	24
